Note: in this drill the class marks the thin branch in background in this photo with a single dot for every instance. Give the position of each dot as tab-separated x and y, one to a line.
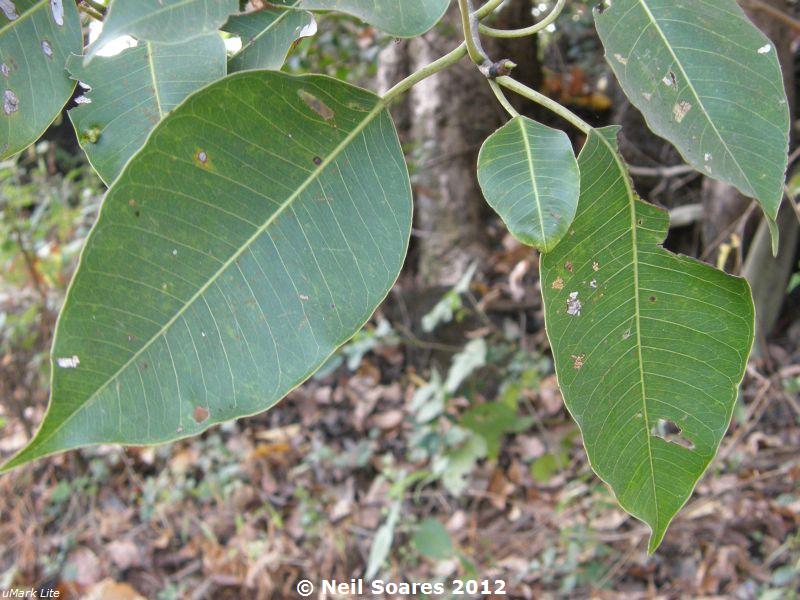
525	31
773	12
96	6
671	171
90	12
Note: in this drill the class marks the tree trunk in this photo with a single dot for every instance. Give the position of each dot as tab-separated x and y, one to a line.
444	120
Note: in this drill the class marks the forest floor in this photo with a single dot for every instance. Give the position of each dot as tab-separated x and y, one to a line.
377	464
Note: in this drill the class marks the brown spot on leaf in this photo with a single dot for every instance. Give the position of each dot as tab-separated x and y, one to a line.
558	284
595	266
568	266
317	160
200	414
315	104
577	361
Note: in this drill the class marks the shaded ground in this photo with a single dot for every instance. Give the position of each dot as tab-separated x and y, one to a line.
299	492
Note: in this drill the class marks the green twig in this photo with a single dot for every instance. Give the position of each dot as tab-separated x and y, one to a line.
100	8
531	94
525	31
87	10
487	9
438	65
501	97
469	22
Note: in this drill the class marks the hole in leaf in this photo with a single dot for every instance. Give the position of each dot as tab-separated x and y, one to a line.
671	433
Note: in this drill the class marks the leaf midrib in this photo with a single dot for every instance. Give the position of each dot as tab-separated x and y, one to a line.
637	310
533	181
151	65
379	107
696	95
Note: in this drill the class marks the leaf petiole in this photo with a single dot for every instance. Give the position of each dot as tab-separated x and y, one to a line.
525	31
523	90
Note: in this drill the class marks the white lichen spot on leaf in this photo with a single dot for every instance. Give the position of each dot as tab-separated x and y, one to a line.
621	59
765	49
47	49
68	362
57	8
10	102
680	110
9	9
574	305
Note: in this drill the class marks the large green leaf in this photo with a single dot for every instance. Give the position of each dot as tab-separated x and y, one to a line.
133	90
163	21
36	36
708	81
529	175
644	342
255	232
267	36
401	18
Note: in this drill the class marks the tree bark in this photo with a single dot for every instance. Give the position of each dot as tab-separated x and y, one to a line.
444	120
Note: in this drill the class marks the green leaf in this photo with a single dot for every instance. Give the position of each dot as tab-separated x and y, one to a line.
645	342
253	234
709	82
472	357
545	467
163	21
400	18
36	37
382	542
432	540
133	90
267	36
492	421
529	175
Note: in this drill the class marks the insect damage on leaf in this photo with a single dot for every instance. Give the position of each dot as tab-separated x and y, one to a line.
315	104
